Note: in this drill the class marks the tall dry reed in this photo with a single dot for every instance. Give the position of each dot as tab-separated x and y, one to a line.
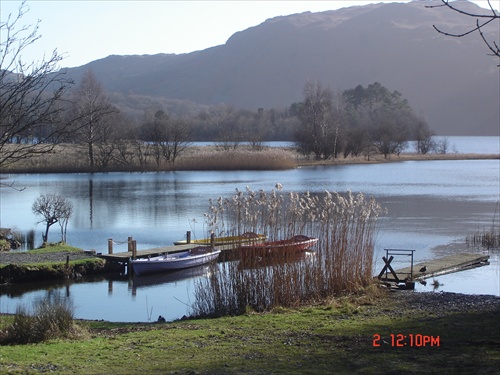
342	263
239	159
488	238
70	158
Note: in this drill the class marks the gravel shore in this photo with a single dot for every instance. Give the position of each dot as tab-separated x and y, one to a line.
28	257
407	303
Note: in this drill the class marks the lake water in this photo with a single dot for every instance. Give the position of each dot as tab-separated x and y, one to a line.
432	206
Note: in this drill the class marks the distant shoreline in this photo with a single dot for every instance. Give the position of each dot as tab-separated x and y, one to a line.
379	159
73	159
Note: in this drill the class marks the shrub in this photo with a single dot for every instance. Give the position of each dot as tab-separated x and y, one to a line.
51	318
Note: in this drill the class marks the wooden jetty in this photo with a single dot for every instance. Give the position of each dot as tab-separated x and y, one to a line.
123	257
442	266
132	253
431	268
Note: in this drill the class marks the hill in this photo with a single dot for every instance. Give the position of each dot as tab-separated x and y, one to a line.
452	82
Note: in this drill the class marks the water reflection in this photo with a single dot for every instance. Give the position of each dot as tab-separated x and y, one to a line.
430	205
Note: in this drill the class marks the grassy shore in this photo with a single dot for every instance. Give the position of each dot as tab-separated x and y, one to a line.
345	336
52	262
73	159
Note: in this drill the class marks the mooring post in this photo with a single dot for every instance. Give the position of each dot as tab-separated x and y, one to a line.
212	239
129	244
188	237
110	246
134	249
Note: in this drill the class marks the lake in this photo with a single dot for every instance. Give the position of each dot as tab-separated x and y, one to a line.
432	206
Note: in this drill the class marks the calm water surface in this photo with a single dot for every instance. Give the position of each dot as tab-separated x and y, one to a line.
432	206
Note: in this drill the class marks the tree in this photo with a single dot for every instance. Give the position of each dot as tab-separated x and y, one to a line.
321	117
482	20
385	117
167	136
54	209
31	95
225	119
423	136
93	113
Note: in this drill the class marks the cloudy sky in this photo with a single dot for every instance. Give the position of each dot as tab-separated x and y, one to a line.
83	31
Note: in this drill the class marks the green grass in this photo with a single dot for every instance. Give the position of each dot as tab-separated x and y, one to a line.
313	340
55	248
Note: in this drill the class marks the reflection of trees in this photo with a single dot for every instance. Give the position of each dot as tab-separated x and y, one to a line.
102	204
91	201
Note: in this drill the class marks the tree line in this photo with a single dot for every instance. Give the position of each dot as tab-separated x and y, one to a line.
359	121
40	108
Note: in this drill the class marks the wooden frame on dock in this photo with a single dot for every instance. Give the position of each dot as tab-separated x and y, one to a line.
389	257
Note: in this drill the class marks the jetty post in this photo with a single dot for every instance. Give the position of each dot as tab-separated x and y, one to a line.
110	246
188	237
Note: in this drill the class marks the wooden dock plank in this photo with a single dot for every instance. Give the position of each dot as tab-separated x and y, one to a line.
442	266
123	257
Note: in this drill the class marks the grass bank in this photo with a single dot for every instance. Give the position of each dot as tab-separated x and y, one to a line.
52	262
337	337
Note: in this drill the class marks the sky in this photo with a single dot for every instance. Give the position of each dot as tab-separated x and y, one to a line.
84	31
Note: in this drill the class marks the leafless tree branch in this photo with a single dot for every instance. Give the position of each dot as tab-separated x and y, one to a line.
31	95
492	45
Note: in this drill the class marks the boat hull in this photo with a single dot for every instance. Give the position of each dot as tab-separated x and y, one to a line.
176	261
296	243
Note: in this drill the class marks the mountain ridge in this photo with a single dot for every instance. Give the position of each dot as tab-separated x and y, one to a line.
451	82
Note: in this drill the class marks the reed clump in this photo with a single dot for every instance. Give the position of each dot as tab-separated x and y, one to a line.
72	158
340	264
237	159
488	238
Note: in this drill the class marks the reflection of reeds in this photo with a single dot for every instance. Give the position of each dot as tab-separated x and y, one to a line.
343	224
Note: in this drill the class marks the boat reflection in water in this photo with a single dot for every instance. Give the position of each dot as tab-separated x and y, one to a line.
170	277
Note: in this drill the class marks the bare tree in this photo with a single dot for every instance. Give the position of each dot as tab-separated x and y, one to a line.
54	209
93	112
166	136
482	20
31	95
225	120
423	137
321	115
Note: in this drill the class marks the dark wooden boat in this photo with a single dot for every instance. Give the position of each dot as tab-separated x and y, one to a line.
296	243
